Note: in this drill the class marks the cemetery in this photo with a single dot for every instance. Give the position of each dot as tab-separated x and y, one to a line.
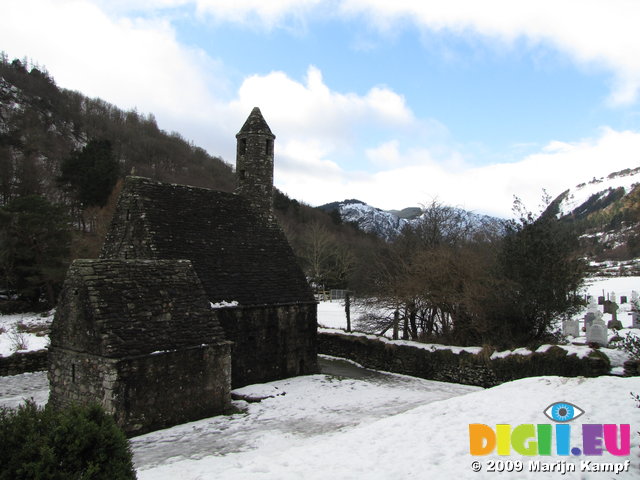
592	329
589	347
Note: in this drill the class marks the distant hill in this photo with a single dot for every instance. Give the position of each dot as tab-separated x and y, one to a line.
606	213
388	224
41	124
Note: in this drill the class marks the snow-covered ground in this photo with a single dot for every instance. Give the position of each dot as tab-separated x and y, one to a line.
375	426
15	389
301	411
429	441
381	426
16	332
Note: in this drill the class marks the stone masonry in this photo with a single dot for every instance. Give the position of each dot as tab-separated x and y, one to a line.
238	251
186	276
254	163
139	337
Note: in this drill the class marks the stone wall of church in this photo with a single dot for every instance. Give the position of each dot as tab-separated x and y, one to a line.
270	342
81	378
146	392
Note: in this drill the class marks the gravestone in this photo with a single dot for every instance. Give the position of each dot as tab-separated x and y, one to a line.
593	313
635	319
570	328
611	308
589	318
597	333
614	324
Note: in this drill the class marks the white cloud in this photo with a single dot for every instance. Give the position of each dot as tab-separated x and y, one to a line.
597	32
385	155
489	189
312	121
319	130
315	125
312	110
131	63
601	33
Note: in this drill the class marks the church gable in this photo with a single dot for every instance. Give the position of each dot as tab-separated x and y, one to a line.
238	254
124	308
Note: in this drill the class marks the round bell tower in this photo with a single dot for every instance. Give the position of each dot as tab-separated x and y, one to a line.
254	162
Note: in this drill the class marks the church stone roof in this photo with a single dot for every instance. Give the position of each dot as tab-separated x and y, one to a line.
238	254
256	123
120	308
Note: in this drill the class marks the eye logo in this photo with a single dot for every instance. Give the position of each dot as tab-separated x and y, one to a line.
563	412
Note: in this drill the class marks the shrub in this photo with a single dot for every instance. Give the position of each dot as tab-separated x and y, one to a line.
82	443
631	344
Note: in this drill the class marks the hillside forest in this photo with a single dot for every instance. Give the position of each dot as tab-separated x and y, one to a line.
63	157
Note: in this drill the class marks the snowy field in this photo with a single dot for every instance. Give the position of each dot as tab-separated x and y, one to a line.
380	426
352	423
23	332
429	441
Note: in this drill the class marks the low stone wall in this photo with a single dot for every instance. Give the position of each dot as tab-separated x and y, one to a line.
464	367
632	368
23	362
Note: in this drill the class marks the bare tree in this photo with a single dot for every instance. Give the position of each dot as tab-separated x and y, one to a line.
430	276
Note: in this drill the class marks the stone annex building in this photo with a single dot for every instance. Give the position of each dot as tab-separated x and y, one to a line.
196	292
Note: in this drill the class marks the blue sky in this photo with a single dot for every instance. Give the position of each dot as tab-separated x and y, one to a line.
395	103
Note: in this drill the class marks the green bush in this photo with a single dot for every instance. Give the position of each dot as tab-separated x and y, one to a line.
631	345
78	443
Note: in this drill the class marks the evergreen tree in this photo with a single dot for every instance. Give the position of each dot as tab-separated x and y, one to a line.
542	272
90	174
34	248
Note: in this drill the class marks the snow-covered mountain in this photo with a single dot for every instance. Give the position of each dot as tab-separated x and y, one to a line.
388	224
598	194
369	219
606	212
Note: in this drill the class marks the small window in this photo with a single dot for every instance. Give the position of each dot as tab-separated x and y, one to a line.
242	146
73	373
269	147
243	174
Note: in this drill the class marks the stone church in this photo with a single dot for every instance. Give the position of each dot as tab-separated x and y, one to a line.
187	277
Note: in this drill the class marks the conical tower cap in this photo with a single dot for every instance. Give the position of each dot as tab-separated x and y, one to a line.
255	123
